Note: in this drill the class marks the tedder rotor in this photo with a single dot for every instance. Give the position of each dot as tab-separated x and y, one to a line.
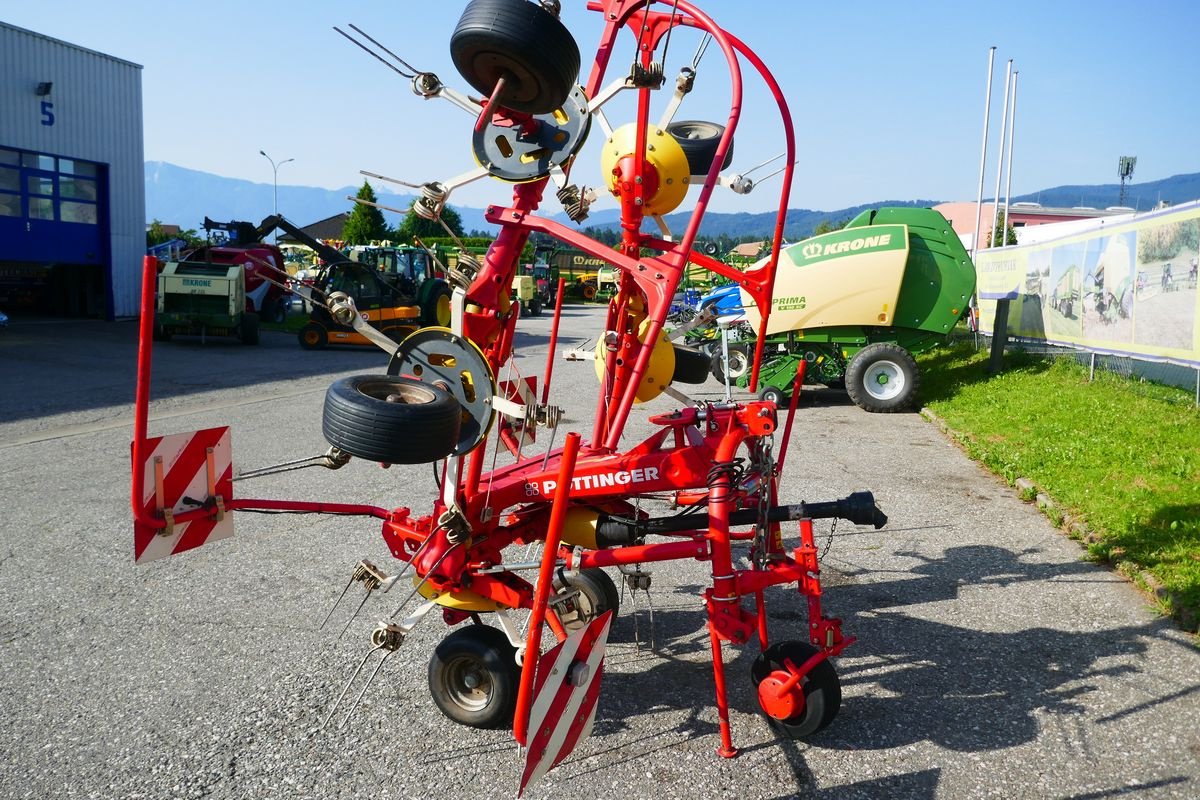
439	400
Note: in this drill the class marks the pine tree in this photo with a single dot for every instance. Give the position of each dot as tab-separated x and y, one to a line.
414	225
365	223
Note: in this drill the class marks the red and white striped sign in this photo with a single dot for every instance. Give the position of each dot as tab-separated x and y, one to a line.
184	472
565	691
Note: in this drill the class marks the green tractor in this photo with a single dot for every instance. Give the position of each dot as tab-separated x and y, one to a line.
856	304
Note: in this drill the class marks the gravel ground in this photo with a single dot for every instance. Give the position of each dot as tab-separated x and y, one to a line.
990	662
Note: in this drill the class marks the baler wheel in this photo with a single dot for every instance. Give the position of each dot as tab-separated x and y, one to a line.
822	691
882	377
473	677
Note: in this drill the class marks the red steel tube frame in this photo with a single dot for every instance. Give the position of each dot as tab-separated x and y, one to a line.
537	615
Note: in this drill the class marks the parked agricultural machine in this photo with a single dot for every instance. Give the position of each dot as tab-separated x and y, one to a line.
439	400
854	305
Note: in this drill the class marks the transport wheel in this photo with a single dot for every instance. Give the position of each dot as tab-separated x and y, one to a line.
811	705
473	677
437	308
312	337
535	307
774	394
583	596
248	328
691	366
276	312
882	377
589	291
699	141
521	42
390	419
739	364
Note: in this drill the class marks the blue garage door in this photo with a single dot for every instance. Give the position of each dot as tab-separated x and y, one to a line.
52	209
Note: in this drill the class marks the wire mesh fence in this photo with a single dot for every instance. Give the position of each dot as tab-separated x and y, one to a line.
1138	371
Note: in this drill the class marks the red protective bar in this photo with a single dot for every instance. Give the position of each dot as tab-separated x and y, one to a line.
558	300
141	403
797	385
537	615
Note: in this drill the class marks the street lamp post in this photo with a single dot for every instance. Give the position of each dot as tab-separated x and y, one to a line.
275	182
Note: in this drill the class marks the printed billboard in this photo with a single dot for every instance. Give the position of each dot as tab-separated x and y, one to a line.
1128	288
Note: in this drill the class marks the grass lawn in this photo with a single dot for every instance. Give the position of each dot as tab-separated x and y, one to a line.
1120	456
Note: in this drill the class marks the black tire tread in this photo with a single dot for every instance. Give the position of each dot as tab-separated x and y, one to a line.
855	385
493	647
691	366
492	32
373	429
700	151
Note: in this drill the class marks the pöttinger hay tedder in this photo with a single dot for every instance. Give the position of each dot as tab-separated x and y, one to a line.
439	400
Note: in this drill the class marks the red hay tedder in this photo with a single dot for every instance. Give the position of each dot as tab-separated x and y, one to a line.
440	401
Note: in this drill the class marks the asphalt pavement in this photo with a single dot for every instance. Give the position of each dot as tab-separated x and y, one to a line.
990	661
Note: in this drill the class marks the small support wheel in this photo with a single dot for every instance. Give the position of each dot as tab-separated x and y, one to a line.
774	394
809	705
593	593
739	364
473	677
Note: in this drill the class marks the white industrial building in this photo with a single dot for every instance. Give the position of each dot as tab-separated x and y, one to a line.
72	187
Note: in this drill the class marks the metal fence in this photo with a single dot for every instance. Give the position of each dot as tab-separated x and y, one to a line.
1137	370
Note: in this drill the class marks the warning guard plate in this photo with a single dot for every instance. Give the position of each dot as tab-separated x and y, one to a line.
184	472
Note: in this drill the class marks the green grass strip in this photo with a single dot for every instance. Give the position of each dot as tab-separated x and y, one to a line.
1119	455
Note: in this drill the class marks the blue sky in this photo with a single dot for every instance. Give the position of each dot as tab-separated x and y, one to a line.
887	98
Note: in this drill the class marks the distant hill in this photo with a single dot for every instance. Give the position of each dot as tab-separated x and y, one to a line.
182	196
1141	196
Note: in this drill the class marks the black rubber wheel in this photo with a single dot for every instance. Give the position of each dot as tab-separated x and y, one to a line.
883	378
473	677
312	337
776	395
535	307
436	311
588	290
248	328
276	311
822	689
739	364
390	419
583	596
691	366
524	43
699	141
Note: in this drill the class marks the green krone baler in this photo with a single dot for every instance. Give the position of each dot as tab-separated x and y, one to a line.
857	303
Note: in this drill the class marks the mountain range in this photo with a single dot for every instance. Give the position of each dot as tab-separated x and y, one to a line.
181	196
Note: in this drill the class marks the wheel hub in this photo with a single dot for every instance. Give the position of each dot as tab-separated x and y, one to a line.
785	704
884	380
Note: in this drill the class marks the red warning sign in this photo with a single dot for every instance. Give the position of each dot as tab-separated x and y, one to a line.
564	698
184	472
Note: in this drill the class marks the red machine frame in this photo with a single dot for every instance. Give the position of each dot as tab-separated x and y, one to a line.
691	453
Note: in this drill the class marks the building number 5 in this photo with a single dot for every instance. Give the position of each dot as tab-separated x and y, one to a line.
47	112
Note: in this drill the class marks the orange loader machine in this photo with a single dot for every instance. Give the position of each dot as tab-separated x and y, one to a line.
439	400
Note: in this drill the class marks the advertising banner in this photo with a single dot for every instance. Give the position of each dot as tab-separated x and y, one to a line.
1128	288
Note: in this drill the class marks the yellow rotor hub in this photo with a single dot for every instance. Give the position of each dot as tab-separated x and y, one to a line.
658	372
666	185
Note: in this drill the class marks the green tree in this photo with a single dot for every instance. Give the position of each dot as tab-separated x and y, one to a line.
414	225
994	234
829	226
365	223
